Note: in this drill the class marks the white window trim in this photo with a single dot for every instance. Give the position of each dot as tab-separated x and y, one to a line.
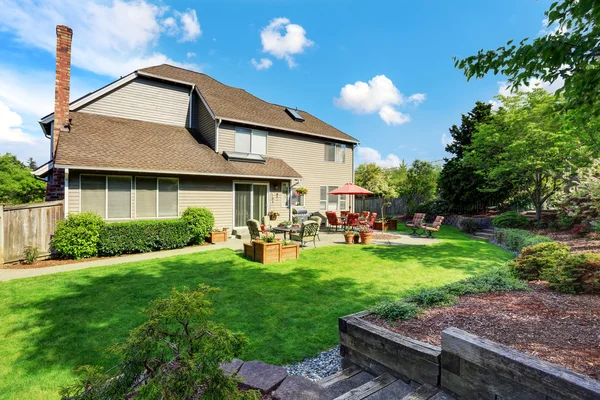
251	135
267	184
157	196
327	202
335	153
106	195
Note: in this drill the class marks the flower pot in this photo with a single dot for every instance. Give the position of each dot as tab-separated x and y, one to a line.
290	252
272	217
216	237
356	239
349	238
365	237
267	253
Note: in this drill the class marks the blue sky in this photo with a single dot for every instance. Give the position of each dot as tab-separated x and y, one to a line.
380	71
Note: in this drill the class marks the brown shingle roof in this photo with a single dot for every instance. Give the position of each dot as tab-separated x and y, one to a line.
110	142
232	103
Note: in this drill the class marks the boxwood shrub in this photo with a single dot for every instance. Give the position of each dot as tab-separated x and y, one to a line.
510	219
200	222
77	235
517	239
143	236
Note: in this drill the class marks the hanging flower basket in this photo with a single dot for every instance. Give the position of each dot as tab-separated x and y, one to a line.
301	191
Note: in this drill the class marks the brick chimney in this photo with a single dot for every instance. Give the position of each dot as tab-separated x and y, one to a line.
55	187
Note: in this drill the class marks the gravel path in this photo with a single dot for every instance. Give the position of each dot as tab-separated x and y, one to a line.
325	364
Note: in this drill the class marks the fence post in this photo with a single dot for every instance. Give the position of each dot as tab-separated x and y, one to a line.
1	234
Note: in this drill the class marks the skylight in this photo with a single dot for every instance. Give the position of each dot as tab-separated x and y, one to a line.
245	157
295	114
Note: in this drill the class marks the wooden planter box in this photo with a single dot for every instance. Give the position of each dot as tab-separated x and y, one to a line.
267	253
390	225
216	237
290	252
249	251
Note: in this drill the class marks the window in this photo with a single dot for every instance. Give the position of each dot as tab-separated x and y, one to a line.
335	152
156	197
250	141
285	194
108	196
295	114
332	202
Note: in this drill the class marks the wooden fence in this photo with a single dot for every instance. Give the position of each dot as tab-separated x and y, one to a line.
27	225
398	206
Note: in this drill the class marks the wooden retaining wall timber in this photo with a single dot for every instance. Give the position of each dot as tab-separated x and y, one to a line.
27	225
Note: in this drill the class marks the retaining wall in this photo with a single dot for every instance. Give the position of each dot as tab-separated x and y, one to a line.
455	220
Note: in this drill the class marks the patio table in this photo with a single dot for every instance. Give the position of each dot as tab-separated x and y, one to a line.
279	229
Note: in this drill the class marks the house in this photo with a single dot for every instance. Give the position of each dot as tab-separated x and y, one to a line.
163	138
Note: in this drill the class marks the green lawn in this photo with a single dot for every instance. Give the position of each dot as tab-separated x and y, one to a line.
289	311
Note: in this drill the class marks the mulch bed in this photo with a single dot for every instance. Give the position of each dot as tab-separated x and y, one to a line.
577	243
559	328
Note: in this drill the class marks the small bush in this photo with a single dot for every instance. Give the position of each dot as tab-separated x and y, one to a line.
77	235
534	259
30	253
510	219
393	310
595	226
517	239
579	230
469	226
200	221
143	236
432	297
499	279
565	223
579	273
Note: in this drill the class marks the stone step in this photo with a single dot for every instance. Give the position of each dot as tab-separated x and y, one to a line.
487	230
261	376
299	388
342	386
364	391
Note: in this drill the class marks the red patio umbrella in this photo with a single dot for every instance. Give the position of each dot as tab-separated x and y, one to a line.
351	188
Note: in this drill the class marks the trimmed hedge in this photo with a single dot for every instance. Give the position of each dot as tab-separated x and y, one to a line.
517	239
200	221
510	219
143	236
77	235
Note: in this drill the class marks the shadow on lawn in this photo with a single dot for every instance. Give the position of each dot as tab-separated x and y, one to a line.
286	315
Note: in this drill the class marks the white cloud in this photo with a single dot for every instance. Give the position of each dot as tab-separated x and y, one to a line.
367	155
189	25
553	29
190	54
11	126
535	83
446	140
284	46
108	38
264	63
378	94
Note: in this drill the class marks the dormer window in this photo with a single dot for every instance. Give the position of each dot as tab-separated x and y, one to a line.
251	141
295	114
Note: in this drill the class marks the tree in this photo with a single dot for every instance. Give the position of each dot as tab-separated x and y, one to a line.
570	52
175	354
377	180
17	184
525	146
458	182
31	164
422	179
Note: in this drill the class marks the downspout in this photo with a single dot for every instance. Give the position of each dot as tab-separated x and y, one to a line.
190	108
353	209
66	198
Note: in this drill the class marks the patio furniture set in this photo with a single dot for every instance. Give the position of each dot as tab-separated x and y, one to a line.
418	222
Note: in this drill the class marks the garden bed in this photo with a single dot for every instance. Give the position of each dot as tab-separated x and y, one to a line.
577	243
559	328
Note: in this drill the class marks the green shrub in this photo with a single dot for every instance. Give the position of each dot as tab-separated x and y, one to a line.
579	273
517	239
200	221
566	223
433	207
469	226
500	279
77	235
510	219
143	236
534	259
393	310
432	297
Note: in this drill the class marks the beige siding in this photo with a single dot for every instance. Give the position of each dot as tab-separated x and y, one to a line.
145	100
306	155
73	196
205	122
212	193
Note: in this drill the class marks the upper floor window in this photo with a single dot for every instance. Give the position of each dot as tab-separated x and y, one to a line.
335	152
250	141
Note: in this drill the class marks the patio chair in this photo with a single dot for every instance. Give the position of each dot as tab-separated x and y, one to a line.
434	227
318	220
333	220
365	214
369	221
253	229
309	229
416	222
267	223
352	219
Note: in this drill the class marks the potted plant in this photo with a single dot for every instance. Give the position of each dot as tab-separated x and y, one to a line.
285	224
289	250
366	234
349	235
267	249
356	238
301	191
218	235
273	215
295	222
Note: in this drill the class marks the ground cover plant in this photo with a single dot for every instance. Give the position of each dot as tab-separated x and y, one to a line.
517	239
289	312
